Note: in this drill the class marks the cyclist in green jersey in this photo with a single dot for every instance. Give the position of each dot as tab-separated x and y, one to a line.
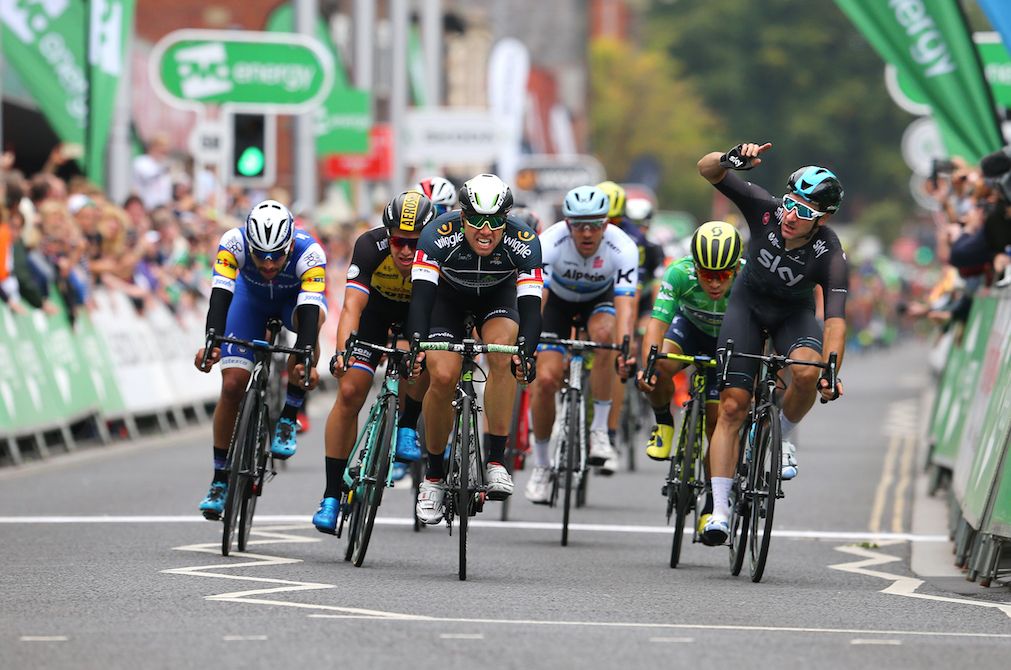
686	320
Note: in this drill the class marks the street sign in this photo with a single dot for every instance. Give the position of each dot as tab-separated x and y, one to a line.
208	140
543	174
450	136
272	73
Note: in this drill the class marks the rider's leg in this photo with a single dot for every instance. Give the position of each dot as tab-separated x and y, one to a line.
733	410
500	390
550	370
342	425
601	328
233	388
802	391
437	407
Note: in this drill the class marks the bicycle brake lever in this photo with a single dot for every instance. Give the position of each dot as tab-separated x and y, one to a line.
829	375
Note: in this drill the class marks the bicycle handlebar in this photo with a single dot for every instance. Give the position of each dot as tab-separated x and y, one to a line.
213	340
779	362
655	355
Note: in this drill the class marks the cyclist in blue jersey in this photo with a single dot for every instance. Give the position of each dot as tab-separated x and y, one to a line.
791	251
263	270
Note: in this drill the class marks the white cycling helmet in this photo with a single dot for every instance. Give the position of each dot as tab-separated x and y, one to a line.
440	191
639	211
269	228
485	194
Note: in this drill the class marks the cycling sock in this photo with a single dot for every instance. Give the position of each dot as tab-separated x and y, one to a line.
412	410
293	402
786	426
334	476
601	408
436	467
220	463
542	458
496	445
663	415
721	496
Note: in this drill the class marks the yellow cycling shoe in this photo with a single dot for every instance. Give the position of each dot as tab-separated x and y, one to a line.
660	442
701	528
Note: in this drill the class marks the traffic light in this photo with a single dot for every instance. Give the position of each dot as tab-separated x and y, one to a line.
253	152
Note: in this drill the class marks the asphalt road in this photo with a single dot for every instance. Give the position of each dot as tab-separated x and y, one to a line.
107	565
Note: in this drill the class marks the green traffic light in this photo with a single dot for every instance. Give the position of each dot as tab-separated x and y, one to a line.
251	162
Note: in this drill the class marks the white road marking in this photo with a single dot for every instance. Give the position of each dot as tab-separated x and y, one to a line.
894	643
462	636
672	639
905	480
44	638
243	638
884	484
902	586
298	521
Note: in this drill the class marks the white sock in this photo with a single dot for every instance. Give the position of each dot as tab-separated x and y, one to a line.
786	426
542	458
721	496
601	408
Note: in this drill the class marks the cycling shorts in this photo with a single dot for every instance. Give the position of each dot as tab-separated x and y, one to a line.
451	308
559	315
247	320
748	314
378	317
693	342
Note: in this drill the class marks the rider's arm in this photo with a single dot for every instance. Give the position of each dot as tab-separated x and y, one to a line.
655	330
424	281
709	167
226	271
529	285
311	302
625	283
835	287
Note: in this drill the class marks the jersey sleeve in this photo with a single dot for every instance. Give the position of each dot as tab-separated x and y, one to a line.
231	255
311	270
529	276
626	275
668	297
835	285
364	260
549	249
754	201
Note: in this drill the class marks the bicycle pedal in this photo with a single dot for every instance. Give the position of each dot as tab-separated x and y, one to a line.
663	490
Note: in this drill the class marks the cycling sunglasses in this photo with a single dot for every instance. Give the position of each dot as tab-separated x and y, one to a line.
586	224
479	221
409	242
803	211
268	255
714	275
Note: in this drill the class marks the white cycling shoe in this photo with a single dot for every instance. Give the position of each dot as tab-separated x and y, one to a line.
716	530
538	490
601	448
499	482
430	508
789	465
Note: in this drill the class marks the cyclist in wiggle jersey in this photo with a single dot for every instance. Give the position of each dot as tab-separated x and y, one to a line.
265	269
791	252
589	276
481	261
686	319
376	299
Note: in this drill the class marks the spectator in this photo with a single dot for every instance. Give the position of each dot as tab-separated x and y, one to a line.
152	174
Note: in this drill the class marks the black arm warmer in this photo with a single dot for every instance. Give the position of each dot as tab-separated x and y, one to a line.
217	313
419	316
529	307
308	325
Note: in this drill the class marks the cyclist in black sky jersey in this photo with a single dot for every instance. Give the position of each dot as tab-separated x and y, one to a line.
791	251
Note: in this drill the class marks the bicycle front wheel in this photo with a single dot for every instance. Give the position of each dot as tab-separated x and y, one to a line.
764	477
239	458
254	489
376	471
571	439
740	508
464	491
682	482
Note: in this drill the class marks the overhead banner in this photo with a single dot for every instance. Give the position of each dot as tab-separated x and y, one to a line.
928	41
111	23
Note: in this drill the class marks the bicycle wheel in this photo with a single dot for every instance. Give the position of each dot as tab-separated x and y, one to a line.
682	484
374	480
254	489
740	509
571	446
354	520
764	477
463	487
238	471
581	456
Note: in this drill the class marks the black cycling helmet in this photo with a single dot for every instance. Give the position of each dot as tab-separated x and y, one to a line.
408	212
817	185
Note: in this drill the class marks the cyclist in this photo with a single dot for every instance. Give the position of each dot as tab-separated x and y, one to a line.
477	260
686	320
791	252
639	212
264	269
440	191
589	276
376	299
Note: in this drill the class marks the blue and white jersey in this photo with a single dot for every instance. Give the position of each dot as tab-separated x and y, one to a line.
576	278
303	275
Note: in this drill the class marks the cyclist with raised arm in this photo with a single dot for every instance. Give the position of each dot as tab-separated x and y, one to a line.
265	269
686	320
376	299
480	261
589	276
791	251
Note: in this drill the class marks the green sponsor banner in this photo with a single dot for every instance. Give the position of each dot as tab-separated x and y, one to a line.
943	452
41	405
111	22
928	41
999	520
345	117
988	437
962	384
57	345
45	43
17	408
103	380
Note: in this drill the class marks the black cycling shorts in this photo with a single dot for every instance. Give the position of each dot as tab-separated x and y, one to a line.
789	325
378	317
452	306
560	315
694	342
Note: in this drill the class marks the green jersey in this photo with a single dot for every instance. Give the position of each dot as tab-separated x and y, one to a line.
680	292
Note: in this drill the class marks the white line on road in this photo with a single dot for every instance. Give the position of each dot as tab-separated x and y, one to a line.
44	638
905	479
894	643
300	520
243	638
884	484
672	639
462	636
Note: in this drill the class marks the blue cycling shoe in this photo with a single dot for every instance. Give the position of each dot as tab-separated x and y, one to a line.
283	447
325	518
213	505
408	449
400	470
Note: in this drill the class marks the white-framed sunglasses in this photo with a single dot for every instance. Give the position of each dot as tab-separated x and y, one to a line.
803	211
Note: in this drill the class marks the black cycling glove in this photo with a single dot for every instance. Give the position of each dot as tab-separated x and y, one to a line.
733	160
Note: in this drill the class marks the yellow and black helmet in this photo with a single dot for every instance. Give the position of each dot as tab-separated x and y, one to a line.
616	194
716	245
410	211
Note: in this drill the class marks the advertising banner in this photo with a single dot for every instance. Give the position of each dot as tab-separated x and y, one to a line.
110	25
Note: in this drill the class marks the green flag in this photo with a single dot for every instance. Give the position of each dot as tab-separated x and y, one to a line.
44	41
111	22
928	40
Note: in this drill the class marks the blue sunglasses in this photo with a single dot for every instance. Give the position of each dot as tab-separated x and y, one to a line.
803	211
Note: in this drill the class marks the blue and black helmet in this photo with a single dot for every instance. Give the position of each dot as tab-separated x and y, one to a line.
585	202
817	185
